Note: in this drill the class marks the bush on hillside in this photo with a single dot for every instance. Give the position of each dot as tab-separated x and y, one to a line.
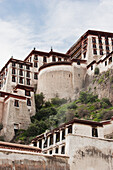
96	71
87	97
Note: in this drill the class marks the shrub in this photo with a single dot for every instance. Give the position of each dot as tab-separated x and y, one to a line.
111	79
72	106
39	100
96	71
107	74
100	80
87	97
106	100
56	101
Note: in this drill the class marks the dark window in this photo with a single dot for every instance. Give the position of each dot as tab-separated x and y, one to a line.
28	67
100	46
92	67
50	152
106	42
27	93
100	41
13	71
78	62
63	150
94	46
28	102
110	59
21	65
107	52
44	59
40	143
13	64
101	52
21	73
35	64
28	82
21	80
36	76
105	63
16	103
65	59
51	140
70	129
59	59
35	57
56	150
57	136
94	132
13	79
63	134
45	143
53	58
35	144
93	39
28	74
84	55
107	47
95	51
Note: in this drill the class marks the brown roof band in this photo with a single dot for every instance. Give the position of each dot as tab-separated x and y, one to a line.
15	146
54	63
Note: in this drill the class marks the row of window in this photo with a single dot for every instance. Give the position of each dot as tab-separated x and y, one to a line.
20	65
57	150
21	79
100	41
21	72
16	103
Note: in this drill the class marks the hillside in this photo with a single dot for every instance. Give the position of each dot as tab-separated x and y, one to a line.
50	115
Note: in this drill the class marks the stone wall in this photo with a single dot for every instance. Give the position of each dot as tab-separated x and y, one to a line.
89	153
10	160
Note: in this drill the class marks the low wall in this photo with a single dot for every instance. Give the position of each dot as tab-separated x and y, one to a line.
89	153
18	160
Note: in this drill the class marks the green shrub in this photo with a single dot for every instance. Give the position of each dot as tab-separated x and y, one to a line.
96	71
106	100
56	101
72	106
107	74
100	80
87	97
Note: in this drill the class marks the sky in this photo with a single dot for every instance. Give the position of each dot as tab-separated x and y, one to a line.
25	24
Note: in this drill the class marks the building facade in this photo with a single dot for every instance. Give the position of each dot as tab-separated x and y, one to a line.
53	74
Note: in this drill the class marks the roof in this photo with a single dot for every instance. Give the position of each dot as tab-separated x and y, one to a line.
42	53
14	146
11	95
90	32
17	61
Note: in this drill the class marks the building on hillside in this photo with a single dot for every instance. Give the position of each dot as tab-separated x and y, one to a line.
55	141
53	74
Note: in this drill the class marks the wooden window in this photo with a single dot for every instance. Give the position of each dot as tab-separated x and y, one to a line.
63	150
20	65
13	71
63	134
107	47
56	150
57	137
93	40
110	60
95	51
13	79
27	93
70	129
36	76
92	67
105	63
59	59
27	67
101	52
21	80
28	74
84	55
53	58
13	64
94	46
44	59
36	57
50	152
40	144
16	103
51	140
35	64
28	81
94	132
78	62
28	102
20	72
100	41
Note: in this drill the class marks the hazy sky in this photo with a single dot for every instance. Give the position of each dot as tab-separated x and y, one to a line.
25	24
